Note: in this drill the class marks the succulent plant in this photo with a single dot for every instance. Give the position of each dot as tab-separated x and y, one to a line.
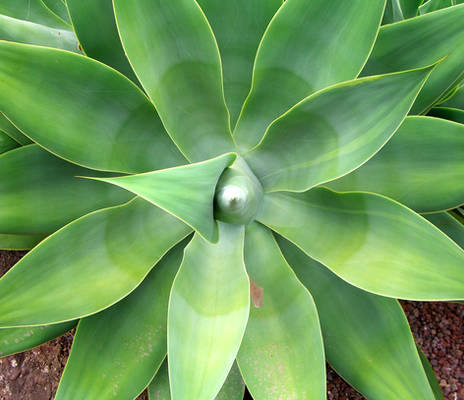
236	184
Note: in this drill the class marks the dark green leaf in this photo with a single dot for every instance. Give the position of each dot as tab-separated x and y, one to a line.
453	114
19	242
7	143
7	127
448	224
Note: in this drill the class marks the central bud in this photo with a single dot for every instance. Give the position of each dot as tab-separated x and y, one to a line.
238	194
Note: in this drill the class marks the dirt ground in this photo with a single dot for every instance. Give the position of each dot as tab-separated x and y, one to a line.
437	327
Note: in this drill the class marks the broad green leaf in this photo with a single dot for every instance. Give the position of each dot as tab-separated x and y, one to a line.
332	132
186	192
433	382
17	30
40	193
393	12
238	27
367	337
58	7
7	143
453	114
32	10
208	313
102	257
7	127
421	166
17	340
420	41
456	101
306	47
116	353
233	388
19	242
88	113
95	26
410	7
449	225
434	5
380	245
282	354
174	54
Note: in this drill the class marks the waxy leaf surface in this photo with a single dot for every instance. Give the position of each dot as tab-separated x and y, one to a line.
173	52
208	312
89	113
282	354
186	192
420	41
40	192
381	246
421	166
102	256
306	47
117	352
333	131
367	337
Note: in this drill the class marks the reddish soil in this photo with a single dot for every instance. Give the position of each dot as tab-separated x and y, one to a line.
437	327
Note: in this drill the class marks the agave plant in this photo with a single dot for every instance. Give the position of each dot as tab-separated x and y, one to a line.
234	184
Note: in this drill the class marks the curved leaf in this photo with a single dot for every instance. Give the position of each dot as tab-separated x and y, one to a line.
452	114
159	386
40	193
95	26
306	47
433	382
108	253
393	12
332	132
17	340
448	225
238	27
17	30
116	352
7	143
88	113
282	354
367	337
421	166
434	5
186	192
19	242
456	101
7	127
208	313
420	41
58	7
380	245
174	54
32	10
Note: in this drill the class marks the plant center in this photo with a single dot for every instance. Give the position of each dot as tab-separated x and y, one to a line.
238	194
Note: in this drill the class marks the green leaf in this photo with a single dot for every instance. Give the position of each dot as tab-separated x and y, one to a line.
452	114
434	5
19	242
380	245
420	41
433	382
7	143
282	354
393	12
456	101
58	7
421	166
102	256
88	113
449	225
95	26
32	10
186	192
367	337
17	340
17	30
208	313
233	388
7	127
332	132
410	7
306	48
40	193
116	353
238	26
174	54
